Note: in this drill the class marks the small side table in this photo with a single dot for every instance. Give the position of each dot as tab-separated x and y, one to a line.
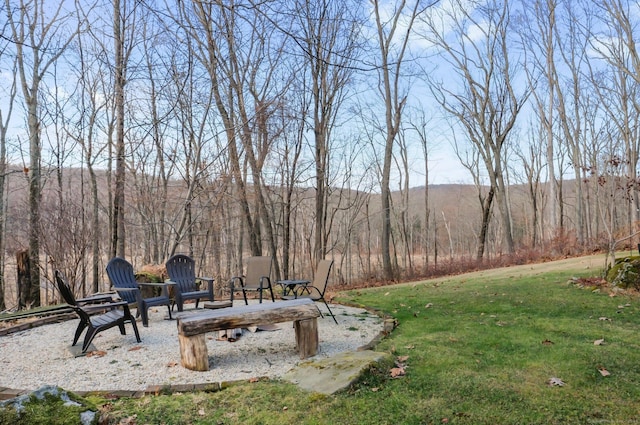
292	286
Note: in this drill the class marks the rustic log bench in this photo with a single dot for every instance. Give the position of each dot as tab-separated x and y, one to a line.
191	329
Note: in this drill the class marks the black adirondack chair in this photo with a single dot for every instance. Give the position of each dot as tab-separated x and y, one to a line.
123	280
182	271
116	314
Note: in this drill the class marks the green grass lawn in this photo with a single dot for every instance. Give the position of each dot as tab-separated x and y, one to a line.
478	349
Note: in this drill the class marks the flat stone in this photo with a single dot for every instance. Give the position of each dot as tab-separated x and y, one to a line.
76	350
333	374
217	304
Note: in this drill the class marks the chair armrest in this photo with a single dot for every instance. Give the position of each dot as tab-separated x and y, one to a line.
96	308
136	291
157	284
95	299
208	280
232	281
127	289
268	279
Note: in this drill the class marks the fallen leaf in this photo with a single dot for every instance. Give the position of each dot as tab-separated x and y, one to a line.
386	293
598	342
131	420
172	364
397	371
375	389
410	347
429	305
96	353
603	371
136	348
201	412
555	382
547	342
254	380
285	408
403	359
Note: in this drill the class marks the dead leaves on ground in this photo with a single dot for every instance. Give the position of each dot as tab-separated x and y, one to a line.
400	367
555	382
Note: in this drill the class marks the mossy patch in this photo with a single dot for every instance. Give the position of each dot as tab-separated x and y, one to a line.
625	273
48	405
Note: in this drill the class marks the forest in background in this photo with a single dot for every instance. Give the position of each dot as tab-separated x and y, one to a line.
305	129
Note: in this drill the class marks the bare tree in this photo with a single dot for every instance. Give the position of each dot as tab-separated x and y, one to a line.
531	166
40	40
5	118
86	131
487	104
539	39
618	87
393	32
328	35
420	127
124	25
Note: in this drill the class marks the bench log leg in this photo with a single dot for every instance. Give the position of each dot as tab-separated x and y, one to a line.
193	352
306	337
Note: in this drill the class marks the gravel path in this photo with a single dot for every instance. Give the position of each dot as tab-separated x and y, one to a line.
42	356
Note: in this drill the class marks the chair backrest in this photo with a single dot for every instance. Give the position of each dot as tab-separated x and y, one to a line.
182	270
257	267
65	290
121	275
321	277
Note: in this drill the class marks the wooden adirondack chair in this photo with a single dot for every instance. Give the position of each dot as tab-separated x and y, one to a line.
117	314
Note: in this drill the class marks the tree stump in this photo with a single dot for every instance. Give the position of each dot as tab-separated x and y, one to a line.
193	352
306	337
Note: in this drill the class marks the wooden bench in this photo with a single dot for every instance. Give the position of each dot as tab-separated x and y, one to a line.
191	329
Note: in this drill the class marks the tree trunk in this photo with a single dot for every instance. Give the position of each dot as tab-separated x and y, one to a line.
24	283
484	227
118	242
